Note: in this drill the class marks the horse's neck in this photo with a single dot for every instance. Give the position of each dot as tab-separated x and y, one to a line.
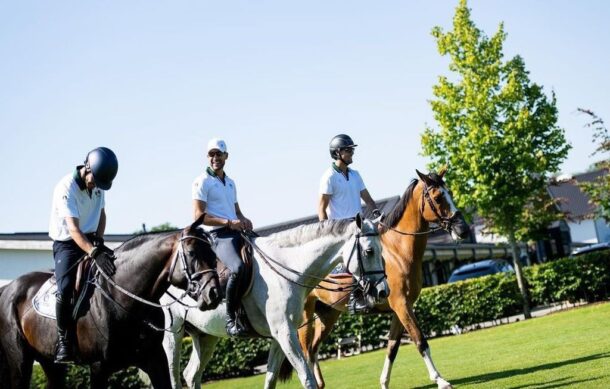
316	258
411	221
140	271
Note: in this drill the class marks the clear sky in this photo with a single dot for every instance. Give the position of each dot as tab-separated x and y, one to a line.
276	79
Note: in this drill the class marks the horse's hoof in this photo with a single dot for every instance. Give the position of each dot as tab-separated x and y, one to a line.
442	384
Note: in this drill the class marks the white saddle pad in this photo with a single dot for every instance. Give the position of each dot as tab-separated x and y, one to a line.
44	300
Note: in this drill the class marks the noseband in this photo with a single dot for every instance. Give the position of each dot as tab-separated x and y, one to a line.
364	284
194	285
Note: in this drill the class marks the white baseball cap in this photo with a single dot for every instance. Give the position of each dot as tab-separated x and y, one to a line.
218	144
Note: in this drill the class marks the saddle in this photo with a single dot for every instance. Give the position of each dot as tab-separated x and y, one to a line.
44	301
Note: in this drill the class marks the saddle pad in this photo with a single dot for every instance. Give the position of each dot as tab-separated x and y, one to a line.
44	300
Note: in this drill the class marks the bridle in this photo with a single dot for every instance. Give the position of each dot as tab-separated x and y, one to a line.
444	223
364	283
194	286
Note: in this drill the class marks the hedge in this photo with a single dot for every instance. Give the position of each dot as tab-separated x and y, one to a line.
438	309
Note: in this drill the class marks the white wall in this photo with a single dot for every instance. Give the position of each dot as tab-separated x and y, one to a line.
583	231
16	262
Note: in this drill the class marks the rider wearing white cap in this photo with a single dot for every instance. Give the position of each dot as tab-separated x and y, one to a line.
214	194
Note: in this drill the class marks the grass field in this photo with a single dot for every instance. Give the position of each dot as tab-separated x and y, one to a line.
569	349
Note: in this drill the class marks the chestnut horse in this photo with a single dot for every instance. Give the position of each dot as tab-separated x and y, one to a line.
123	327
404	235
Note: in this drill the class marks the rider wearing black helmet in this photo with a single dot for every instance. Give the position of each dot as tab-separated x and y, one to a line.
341	188
77	225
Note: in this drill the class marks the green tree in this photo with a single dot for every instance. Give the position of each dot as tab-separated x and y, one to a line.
497	131
159	228
599	190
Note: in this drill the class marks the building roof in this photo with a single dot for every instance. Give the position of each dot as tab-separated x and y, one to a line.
572	200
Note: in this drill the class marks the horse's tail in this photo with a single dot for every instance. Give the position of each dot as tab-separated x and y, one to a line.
285	371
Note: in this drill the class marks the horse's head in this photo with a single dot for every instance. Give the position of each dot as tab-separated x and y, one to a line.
363	260
437	205
194	267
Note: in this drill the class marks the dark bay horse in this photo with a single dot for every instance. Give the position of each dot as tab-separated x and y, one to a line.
404	235
120	329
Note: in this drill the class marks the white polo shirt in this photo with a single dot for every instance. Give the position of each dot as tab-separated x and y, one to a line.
220	198
72	199
344	192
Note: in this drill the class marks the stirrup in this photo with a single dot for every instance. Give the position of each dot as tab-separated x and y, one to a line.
234	329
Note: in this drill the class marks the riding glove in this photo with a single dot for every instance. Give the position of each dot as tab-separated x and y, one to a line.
104	260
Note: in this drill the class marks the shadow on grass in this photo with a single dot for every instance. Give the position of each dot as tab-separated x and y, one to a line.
515	372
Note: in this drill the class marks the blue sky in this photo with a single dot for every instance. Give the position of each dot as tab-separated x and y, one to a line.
155	80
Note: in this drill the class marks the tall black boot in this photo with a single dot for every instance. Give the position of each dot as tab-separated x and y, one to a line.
63	311
233	299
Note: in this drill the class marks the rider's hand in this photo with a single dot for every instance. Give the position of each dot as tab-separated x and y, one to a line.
104	261
236	225
246	223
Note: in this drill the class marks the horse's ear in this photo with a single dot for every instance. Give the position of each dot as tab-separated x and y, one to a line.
442	172
424	178
359	221
198	222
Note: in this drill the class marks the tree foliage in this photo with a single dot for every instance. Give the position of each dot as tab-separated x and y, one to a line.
497	130
599	190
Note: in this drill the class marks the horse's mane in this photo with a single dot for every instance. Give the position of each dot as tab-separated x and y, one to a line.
396	214
138	240
303	234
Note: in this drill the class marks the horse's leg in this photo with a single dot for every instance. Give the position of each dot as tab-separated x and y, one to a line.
288	340
307	331
203	349
396	331
327	318
172	344
56	374
99	376
155	365
406	315
274	361
20	365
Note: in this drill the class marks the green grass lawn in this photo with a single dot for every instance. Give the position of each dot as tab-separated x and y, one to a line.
566	349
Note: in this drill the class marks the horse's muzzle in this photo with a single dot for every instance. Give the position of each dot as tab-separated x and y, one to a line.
458	227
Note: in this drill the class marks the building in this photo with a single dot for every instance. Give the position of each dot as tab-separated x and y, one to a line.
583	226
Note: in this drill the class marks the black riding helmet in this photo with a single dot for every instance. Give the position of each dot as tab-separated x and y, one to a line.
339	142
103	164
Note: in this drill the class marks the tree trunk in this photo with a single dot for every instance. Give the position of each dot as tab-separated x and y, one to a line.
520	279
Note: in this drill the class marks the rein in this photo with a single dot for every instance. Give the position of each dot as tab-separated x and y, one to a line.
190	277
272	263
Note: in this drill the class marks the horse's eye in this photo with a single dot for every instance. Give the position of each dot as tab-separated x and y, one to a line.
438	198
369	251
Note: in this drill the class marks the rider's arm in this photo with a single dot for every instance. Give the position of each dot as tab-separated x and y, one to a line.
322	205
77	235
209	220
368	200
101	227
245	221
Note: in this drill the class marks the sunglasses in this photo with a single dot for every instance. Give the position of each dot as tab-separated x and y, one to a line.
215	154
349	150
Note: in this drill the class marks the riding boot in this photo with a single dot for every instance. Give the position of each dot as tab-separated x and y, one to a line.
63	311
233	301
357	303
